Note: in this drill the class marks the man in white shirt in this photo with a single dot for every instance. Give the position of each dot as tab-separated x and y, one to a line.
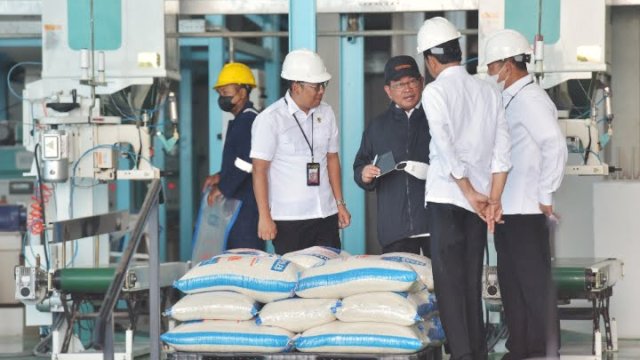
539	155
469	153
296	168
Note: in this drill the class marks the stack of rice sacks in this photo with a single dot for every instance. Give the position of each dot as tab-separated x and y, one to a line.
384	305
343	304
224	294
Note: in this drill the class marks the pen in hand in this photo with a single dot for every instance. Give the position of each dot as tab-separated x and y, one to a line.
375	160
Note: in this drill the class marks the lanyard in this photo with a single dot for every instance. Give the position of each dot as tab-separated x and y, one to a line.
310	144
516	94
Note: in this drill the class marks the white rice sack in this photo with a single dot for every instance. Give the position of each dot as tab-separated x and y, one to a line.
262	278
227	336
214	305
420	264
361	337
343	277
246	252
313	256
385	307
298	315
426	301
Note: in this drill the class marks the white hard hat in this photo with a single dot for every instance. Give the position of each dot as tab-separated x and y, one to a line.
304	65
504	44
436	31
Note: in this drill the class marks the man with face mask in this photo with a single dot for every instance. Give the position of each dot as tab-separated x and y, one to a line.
539	155
296	168
469	154
234	85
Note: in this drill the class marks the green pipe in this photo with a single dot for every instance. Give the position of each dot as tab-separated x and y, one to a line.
83	280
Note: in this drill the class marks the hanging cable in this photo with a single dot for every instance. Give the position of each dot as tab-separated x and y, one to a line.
13	92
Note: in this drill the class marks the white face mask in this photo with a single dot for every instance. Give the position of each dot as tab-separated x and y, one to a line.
493	80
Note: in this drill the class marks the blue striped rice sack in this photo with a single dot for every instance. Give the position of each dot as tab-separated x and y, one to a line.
420	264
354	275
228	336
384	307
314	256
362	337
297	315
214	305
262	278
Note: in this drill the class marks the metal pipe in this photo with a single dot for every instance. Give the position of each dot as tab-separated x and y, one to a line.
262	34
232	49
93	68
96	251
93	315
258	34
64	253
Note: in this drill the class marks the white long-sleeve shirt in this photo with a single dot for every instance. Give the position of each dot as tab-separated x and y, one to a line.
469	135
538	148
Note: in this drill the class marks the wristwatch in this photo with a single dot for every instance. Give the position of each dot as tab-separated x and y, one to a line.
341	202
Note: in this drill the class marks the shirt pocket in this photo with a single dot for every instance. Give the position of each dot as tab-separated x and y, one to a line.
293	143
321	138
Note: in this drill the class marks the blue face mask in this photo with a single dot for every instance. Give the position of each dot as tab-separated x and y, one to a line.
225	104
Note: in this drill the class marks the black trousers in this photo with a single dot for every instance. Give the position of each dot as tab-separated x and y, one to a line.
528	292
458	240
410	245
300	234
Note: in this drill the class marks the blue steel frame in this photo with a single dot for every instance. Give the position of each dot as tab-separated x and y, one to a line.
351	128
272	66
302	19
186	150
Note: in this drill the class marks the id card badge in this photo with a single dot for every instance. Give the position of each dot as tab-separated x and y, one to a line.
313	174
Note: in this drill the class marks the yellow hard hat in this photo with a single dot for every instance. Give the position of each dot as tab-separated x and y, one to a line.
235	73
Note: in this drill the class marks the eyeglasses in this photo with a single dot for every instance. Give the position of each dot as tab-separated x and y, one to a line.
316	86
411	84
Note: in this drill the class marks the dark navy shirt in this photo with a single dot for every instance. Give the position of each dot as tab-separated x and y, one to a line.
237	184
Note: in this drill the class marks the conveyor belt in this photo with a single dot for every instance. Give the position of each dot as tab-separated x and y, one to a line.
575	278
97	280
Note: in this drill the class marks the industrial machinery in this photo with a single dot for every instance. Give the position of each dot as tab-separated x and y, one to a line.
91	120
575	279
564	52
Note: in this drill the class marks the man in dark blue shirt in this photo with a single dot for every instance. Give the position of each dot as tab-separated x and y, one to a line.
234	179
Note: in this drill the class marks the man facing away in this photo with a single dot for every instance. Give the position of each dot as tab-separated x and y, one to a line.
296	168
402	129
538	155
469	154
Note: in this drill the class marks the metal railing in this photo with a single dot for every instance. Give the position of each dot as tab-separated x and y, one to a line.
146	225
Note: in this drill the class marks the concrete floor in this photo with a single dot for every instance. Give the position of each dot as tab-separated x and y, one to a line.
575	346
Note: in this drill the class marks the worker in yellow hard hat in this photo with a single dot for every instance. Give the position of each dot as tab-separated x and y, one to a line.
234	180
